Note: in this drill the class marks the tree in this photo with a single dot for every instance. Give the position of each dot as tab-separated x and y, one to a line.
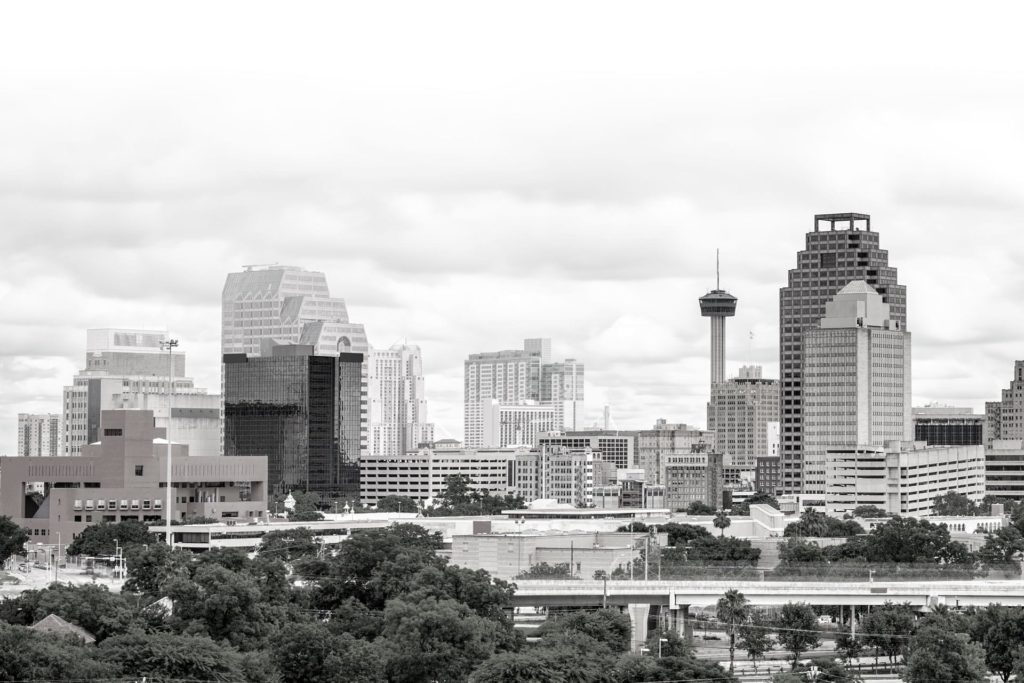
91	606
819	525
12	539
634	528
953	504
289	544
888	629
680	534
305	516
867	512
312	653
699	508
848	646
755	637
760	498
674	645
104	538
27	655
434	640
1002	547
1000	631
397	504
733	609
795	550
543	570
520	667
150	567
607	626
171	656
937	654
798	629
722	522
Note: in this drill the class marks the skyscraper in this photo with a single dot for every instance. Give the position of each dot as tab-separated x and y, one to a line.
39	435
856	381
741	413
718	305
397	404
832	259
521	378
1004	419
285	305
127	370
266	306
300	410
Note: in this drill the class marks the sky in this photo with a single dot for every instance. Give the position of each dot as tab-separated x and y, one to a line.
471	174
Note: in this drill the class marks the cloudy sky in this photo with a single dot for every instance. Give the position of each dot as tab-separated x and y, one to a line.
468	175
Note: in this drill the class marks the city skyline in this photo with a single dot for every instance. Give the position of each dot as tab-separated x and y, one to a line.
459	203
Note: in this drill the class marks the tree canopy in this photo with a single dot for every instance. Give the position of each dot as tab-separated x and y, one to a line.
12	539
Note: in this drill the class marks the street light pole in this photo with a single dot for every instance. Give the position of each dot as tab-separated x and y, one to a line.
169	344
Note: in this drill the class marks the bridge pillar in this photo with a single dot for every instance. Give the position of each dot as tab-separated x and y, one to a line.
638	614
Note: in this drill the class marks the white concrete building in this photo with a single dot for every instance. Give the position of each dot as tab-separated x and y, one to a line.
127	370
521	377
514	425
902	478
1004	469
554	473
397	401
421	475
39	435
856	380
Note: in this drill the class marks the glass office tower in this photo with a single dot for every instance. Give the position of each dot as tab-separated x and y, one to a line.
301	411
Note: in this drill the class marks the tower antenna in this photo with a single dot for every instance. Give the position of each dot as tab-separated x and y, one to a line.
718	280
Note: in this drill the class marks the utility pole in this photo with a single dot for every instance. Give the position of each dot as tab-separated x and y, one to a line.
169	344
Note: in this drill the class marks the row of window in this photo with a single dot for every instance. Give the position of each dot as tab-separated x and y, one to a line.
113	505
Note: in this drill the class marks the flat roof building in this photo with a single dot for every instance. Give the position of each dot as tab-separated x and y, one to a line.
123	477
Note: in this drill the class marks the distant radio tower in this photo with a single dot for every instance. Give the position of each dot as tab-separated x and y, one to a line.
718	305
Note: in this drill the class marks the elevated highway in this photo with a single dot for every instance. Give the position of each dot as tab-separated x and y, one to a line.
671	600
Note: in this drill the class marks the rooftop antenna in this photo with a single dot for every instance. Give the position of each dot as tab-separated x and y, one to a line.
717	272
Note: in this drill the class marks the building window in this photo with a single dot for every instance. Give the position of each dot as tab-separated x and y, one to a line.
138	470
112	432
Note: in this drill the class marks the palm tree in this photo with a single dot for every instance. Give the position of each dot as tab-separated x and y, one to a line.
733	610
721	521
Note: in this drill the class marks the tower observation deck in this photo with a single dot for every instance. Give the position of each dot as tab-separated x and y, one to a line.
718	305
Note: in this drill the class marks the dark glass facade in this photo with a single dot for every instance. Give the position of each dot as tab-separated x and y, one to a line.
831	260
950	431
295	408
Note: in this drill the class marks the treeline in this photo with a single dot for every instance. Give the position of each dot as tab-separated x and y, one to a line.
382	606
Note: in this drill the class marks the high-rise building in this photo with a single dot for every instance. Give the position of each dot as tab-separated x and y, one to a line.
397	402
941	425
654	447
266	306
832	259
1004	419
718	305
515	425
561	387
285	305
302	411
39	435
695	477
127	370
616	447
741	414
521	378
557	473
856	380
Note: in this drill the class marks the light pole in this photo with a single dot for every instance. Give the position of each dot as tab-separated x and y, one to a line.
169	344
